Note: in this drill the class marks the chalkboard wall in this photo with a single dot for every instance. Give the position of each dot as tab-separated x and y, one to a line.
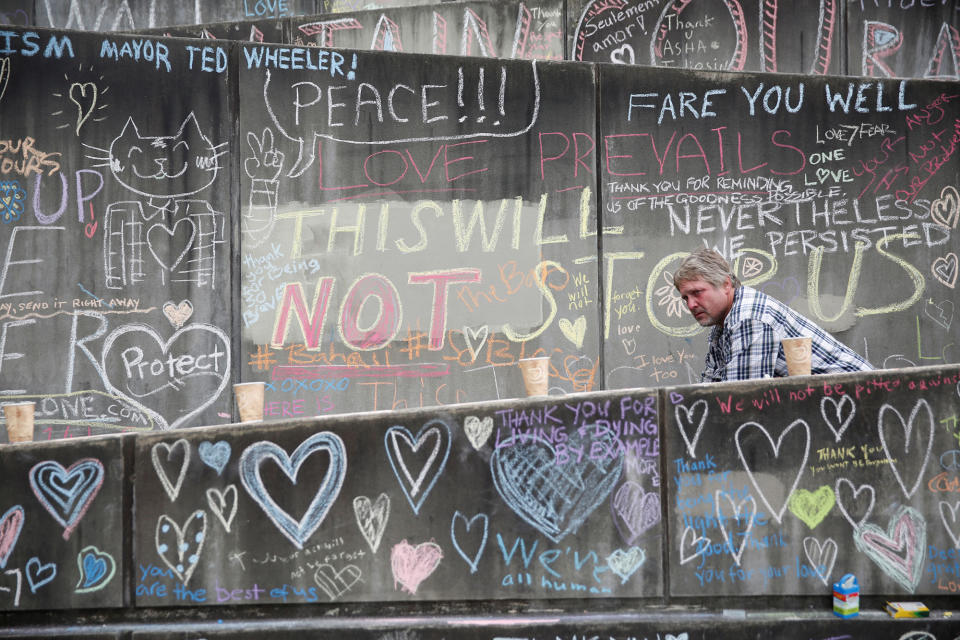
63	517
545	499
837	196
782	488
364	231
116	173
413	227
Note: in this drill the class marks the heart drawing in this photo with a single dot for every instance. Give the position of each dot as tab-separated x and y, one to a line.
907	445
97	569
821	556
412	565
258	453
789	459
423	456
223	504
624	563
185	373
67	493
180	547
554	498
460	533
11	523
634	510
838	414
372	518
855	503
812	506
178	314
945	269
215	455
39	574
898	551
690	421
478	431
175	457
335	582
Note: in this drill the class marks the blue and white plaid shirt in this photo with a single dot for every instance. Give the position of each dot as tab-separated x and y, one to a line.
747	344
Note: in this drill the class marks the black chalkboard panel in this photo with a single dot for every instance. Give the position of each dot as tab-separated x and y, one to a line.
531	500
115	201
61	525
904	39
519	30
717	35
123	15
413	226
16	13
837	196
782	487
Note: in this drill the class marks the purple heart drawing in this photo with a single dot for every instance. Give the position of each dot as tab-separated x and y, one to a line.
634	510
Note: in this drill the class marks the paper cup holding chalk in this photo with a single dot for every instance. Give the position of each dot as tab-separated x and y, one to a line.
797	353
536	375
19	417
249	400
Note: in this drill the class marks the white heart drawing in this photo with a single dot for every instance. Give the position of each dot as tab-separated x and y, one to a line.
689	538
475	340
223	504
822	556
736	551
842	482
185	542
478	431
924	439
690	415
372	518
178	314
835	418
134	366
172	488
740	438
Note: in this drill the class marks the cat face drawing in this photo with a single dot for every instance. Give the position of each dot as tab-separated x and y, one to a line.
163	166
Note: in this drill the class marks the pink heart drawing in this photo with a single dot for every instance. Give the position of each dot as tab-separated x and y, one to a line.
10	525
634	510
898	551
413	564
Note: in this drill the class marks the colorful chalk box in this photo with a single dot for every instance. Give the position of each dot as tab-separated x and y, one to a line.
846	597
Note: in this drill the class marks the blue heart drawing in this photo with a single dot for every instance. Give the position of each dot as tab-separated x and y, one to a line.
67	493
553	494
298	532
97	569
418	488
467	525
215	455
39	574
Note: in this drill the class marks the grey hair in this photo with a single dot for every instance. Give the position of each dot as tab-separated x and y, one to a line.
705	264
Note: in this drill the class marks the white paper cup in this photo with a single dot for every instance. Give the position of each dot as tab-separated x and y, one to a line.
249	397
19	417
536	375
797	353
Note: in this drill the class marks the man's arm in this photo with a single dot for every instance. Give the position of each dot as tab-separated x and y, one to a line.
753	351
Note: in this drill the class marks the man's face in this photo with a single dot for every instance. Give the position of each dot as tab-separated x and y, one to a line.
708	304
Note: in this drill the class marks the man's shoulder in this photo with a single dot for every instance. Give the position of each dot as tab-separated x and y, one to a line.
749	303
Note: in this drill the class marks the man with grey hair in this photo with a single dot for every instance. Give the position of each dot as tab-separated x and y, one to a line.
748	325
